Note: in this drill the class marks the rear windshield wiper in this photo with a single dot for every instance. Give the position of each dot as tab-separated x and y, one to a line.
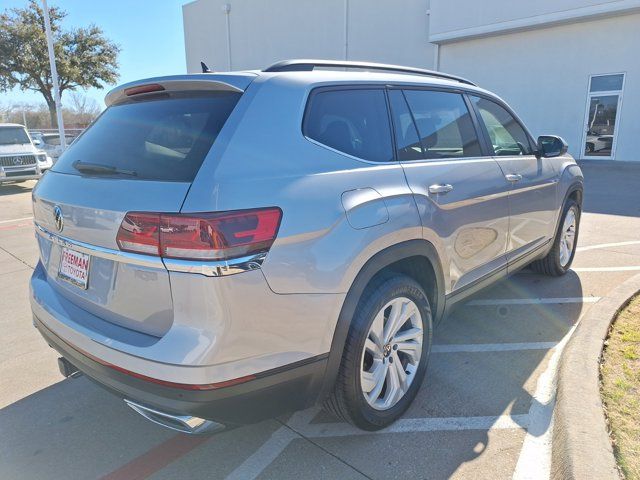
86	167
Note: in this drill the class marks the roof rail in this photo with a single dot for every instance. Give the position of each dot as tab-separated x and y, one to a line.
307	65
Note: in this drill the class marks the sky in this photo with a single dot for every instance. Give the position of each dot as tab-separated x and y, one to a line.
149	33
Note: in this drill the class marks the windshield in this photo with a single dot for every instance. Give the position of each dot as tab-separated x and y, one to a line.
13	136
163	138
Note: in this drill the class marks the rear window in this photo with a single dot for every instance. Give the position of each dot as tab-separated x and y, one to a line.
161	138
13	136
353	121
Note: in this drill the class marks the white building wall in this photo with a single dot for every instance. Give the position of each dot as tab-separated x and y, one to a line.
264	32
452	20
543	74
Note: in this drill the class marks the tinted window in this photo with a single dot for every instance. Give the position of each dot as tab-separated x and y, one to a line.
506	134
13	136
407	141
352	121
163	138
444	124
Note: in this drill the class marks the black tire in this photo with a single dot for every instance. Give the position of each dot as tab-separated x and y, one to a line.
347	400
551	265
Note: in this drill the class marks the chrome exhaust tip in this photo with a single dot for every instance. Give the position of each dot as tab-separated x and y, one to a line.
180	423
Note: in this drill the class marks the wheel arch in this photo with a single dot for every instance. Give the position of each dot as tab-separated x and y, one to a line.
410	258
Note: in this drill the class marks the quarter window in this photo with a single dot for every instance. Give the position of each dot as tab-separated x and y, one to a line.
352	121
506	134
444	124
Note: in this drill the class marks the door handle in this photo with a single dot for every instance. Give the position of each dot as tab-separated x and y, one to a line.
513	177
440	188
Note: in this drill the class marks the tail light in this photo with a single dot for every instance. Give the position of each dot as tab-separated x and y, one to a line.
200	236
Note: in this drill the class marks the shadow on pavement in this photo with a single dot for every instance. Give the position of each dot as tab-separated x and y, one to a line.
611	187
14	188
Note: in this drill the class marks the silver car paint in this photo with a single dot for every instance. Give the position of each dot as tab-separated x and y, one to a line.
339	211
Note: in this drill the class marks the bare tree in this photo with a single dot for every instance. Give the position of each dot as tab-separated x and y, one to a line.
84	108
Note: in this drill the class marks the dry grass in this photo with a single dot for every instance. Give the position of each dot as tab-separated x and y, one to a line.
621	388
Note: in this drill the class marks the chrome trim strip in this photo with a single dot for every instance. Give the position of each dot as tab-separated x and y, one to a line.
110	254
216	268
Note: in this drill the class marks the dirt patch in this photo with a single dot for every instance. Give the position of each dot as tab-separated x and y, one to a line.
621	388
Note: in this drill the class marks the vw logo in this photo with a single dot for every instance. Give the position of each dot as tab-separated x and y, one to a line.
58	218
17	161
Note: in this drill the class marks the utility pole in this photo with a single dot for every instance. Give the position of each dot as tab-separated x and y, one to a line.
54	74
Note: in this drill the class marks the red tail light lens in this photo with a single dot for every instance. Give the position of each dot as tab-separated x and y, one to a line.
202	236
140	233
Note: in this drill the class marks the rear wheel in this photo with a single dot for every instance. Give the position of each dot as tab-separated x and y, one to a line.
385	354
559	259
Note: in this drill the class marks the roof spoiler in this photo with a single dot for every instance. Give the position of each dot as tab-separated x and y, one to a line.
195	82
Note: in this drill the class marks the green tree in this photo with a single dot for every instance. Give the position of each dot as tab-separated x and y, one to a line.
84	56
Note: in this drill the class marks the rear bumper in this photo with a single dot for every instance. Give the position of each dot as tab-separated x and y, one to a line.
271	393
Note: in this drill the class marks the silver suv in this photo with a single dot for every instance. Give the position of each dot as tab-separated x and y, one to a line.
220	248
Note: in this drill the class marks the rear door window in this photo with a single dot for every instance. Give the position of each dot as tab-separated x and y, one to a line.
165	137
408	146
352	121
444	124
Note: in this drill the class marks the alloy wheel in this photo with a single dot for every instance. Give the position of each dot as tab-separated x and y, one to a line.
391	354
568	236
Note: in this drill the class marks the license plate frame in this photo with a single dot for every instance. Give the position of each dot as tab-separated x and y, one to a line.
74	267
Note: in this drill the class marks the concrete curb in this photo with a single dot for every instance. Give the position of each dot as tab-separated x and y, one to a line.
581	444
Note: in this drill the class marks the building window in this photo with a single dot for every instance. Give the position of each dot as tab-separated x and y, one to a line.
602	113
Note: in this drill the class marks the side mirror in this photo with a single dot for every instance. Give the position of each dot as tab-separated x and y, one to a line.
36	142
551	146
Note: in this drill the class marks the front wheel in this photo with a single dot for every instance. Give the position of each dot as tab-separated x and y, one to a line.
385	355
559	259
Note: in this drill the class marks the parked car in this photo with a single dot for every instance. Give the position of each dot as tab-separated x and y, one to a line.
19	158
50	143
257	242
598	143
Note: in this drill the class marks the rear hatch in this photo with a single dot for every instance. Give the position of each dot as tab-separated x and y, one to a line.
141	155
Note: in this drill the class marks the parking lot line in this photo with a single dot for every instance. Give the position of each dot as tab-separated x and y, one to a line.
16	220
534	461
254	465
491	347
413	425
264	456
530	301
628	268
607	245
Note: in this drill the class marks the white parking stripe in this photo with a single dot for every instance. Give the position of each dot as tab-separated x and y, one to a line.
534	461
492	347
530	301
633	268
607	245
298	427
411	425
262	458
16	220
